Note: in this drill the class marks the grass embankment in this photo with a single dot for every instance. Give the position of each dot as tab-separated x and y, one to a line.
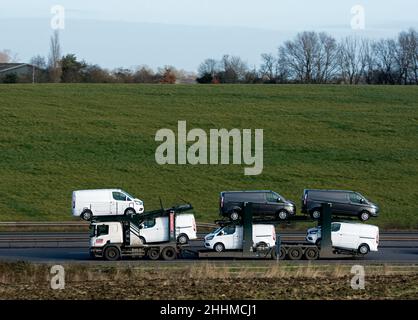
59	138
208	281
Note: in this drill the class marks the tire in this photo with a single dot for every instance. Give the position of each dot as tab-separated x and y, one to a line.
311	253
169	253
183	239
234	216
295	253
364	216
316	214
282	253
111	253
219	247
130	211
282	215
261	245
86	215
363	249
153	254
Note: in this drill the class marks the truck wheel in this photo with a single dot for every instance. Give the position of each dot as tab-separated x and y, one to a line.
316	214
130	211
312	253
219	247
364	216
169	253
295	253
153	253
363	249
282	215
183	239
86	215
282	253
234	216
112	253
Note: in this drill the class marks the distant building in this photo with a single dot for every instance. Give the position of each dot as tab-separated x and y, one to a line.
18	72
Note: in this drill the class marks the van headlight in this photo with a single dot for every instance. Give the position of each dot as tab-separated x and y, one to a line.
139	203
210	238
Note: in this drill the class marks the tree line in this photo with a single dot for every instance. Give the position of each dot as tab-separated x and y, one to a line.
318	58
309	58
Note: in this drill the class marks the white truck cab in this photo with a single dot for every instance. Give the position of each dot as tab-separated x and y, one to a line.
358	237
104	202
231	237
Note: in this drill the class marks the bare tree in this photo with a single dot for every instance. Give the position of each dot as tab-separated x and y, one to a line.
352	59
269	67
54	63
405	57
209	67
38	61
7	56
384	55
234	69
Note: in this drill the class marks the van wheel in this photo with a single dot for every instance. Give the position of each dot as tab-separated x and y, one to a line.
363	249
312	253
316	214
153	253
234	216
219	247
169	253
282	215
295	253
183	239
86	215
261	246
364	216
112	253
130	211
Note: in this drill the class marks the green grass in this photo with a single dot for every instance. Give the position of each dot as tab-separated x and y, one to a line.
59	138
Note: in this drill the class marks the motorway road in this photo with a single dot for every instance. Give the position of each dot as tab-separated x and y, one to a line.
395	247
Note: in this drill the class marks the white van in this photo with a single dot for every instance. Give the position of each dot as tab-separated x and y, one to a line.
230	237
104	202
157	229
358	237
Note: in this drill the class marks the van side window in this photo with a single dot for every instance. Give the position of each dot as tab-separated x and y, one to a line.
271	197
149	223
355	198
102	230
229	230
119	196
335	227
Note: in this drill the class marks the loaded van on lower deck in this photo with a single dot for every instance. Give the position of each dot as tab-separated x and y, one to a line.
343	203
356	237
231	237
150	231
104	202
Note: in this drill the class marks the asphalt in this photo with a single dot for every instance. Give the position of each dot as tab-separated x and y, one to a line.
70	247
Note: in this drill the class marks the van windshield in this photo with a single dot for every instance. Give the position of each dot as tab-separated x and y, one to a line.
126	193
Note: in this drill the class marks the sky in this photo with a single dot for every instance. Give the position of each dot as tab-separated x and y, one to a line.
127	33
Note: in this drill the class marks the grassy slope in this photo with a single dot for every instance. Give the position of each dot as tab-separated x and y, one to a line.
57	138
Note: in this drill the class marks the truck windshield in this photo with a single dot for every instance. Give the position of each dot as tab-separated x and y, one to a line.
92	231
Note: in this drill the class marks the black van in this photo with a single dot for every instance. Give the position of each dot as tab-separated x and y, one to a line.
266	203
344	203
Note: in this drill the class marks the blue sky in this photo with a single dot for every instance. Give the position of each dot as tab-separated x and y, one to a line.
184	32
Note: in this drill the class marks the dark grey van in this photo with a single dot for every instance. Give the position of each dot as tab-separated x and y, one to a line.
266	203
344	203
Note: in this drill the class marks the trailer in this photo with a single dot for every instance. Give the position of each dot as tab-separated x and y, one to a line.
115	237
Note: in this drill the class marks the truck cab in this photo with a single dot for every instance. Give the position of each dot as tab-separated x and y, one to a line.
104	233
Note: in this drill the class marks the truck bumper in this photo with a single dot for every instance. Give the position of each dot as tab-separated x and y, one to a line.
96	252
